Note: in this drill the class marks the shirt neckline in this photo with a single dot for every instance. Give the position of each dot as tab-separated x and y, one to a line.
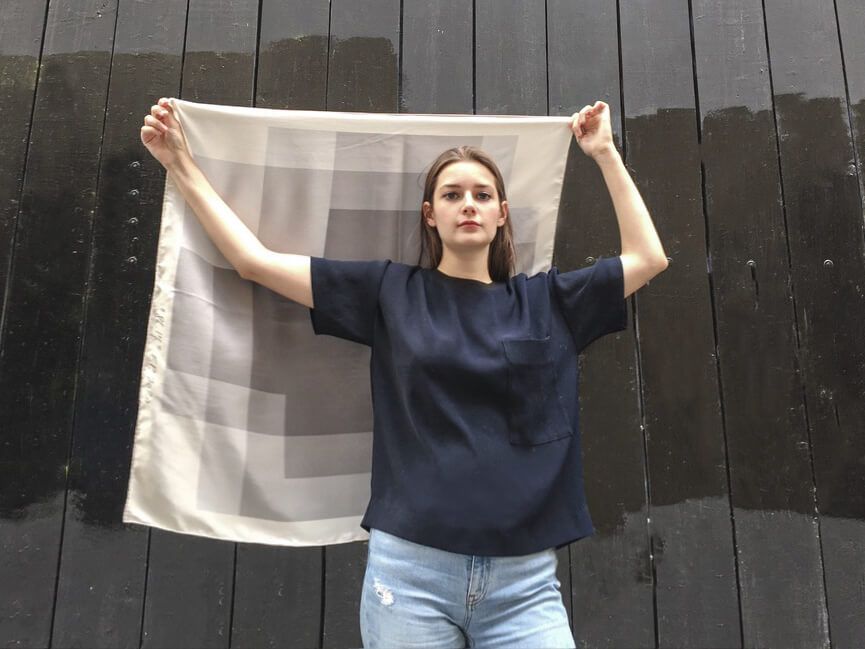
463	281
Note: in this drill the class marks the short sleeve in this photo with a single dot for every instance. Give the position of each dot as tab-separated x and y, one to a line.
592	300
345	295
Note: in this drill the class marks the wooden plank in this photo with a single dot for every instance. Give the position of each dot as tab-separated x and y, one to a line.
277	596
102	567
20	43
437	75
777	537
190	586
219	61
824	220
292	56
851	26
363	67
363	75
692	544
44	308
190	583
511	71
612	588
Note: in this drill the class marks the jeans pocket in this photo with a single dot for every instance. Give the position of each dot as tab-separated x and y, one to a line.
535	411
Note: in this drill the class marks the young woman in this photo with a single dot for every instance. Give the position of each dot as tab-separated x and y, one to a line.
477	470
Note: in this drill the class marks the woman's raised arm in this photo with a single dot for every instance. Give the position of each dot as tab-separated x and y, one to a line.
286	274
642	256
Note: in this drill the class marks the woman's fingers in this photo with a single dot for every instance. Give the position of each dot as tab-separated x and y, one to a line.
154	123
587	118
148	133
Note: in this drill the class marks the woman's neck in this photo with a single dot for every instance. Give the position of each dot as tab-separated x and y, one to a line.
469	265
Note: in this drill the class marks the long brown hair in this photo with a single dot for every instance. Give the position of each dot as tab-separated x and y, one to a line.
502	254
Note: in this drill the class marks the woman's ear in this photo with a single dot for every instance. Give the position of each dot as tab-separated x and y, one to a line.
504	215
428	214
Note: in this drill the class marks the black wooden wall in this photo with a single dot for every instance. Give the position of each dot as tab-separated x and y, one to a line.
724	431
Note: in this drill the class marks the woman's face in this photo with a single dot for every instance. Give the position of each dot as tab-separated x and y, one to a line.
465	208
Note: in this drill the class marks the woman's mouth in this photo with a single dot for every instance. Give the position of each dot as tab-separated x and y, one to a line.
469	224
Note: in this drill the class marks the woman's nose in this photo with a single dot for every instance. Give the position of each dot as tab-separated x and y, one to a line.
469	202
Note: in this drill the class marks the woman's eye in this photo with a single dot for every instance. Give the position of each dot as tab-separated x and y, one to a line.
484	196
450	195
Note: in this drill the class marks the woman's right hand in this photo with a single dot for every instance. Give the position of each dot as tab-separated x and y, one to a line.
163	135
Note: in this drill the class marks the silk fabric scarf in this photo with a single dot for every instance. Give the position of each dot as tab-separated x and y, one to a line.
250	427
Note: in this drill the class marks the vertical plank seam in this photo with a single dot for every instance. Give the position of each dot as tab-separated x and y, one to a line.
547	52
82	326
849	111
144	589
474	57
712	304
183	51
798	351
647	483
400	102
233	589
323	596
327	54
10	267
323	587
256	56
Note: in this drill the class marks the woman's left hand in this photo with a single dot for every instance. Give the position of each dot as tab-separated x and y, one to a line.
591	126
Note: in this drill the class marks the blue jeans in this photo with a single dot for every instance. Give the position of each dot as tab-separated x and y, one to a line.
417	596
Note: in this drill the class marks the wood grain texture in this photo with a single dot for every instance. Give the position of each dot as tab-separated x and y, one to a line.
851	26
612	586
777	536
363	60
510	57
824	219
40	342
747	144
103	563
692	540
20	44
437	70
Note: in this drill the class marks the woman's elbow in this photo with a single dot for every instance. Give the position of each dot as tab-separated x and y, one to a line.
248	267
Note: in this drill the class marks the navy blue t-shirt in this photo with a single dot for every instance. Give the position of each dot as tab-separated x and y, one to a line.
476	438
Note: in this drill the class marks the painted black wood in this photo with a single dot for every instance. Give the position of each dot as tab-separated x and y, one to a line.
510	57
102	565
56	294
611	573
190	588
190	582
777	536
44	309
437	70
363	61
363	75
277	597
21	30
219	59
851	26
278	594
824	217
692	544
292	55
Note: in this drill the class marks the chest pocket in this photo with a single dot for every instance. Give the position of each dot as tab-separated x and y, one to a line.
535	411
